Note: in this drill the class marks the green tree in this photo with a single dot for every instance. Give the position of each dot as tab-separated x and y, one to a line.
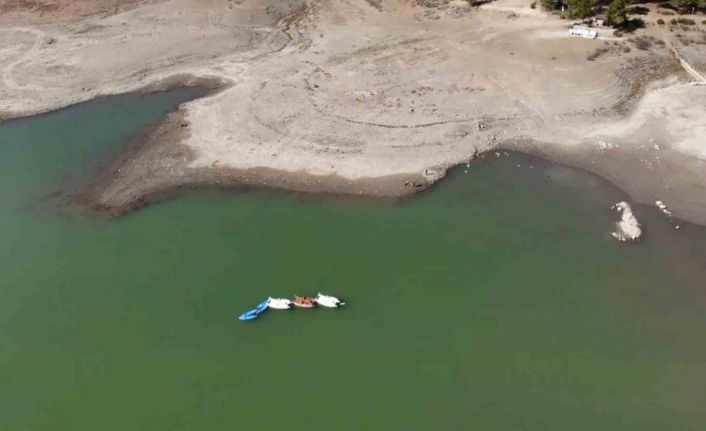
551	4
688	4
580	8
680	4
617	14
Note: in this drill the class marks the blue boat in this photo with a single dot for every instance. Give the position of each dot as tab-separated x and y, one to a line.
254	313
263	306
249	315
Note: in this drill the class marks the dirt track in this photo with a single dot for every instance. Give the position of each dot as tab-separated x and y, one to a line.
340	93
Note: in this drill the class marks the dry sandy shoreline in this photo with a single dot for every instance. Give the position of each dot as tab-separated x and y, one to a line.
154	169
351	98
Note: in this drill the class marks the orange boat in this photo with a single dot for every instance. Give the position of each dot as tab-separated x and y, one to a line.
304	302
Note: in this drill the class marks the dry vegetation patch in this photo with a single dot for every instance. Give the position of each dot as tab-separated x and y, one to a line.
29	5
642	43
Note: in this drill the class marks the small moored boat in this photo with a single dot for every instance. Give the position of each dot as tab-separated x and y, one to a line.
304	302
262	306
329	301
249	315
255	312
279	303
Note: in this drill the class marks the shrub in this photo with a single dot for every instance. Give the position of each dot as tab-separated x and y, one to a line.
633	24
642	43
533	5
551	4
660	21
597	53
686	21
638	10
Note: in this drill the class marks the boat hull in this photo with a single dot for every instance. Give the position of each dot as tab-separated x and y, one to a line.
279	304
250	315
304	302
328	301
254	313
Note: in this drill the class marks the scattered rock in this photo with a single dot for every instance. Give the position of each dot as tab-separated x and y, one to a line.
434	175
605	145
662	207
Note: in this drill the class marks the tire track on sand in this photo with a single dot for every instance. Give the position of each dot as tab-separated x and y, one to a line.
698	77
7	78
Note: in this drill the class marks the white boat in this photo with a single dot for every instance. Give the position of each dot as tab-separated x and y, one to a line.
279	303
328	301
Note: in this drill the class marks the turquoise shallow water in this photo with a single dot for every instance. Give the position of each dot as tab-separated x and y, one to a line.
496	301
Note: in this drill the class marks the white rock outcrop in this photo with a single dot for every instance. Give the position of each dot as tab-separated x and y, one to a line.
628	228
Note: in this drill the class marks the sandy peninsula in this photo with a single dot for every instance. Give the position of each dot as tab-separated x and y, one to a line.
367	97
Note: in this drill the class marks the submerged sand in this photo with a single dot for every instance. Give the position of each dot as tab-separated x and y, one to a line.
372	98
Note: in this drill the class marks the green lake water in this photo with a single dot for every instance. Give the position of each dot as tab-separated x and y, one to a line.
495	301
